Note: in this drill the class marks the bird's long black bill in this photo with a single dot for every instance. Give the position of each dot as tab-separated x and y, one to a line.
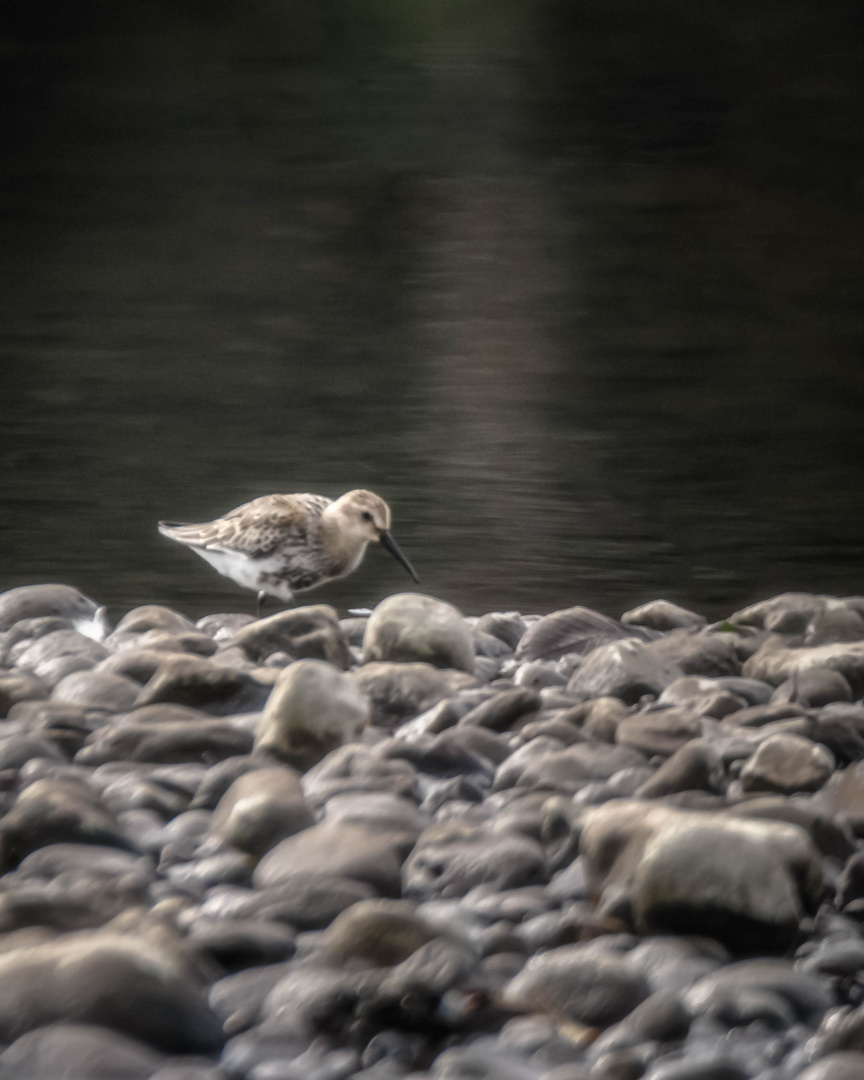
390	544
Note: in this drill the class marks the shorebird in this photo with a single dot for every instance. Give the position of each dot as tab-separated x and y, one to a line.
280	545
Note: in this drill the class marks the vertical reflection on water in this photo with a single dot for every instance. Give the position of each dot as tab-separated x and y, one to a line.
576	287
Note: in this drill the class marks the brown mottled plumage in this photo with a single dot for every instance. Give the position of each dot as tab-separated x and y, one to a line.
284	544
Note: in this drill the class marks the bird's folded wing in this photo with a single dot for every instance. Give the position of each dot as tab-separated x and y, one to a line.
255	529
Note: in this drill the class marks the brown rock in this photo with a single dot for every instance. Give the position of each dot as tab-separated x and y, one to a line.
400	692
311	632
786	764
662	615
658	732
313	709
36	601
261	808
381	932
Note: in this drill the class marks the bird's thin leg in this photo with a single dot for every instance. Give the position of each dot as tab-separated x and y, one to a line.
262	597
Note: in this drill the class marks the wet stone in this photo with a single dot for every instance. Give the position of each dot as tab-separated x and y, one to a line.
502	711
27	630
818	686
119	981
51	812
195	682
308	900
576	630
43	656
237	944
261	808
402	691
575	984
747	883
342	849
627	670
408	900
18	687
660	732
694	765
410	627
662	615
188	642
565	769
841	1065
97	690
79	1050
508	627
37	601
489	646
313	709
452	858
775	665
311	632
204	740
381	932
787	763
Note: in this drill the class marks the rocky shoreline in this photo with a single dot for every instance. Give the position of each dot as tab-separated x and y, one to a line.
416	845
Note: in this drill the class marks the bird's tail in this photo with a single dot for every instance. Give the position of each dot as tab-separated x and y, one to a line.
172	529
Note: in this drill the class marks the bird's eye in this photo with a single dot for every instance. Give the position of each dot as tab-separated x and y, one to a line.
366	515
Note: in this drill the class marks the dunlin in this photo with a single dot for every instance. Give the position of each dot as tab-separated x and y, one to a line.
280	545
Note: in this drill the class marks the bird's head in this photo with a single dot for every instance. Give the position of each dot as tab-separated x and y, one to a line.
365	518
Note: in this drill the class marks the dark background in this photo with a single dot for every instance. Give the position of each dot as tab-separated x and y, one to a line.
576	286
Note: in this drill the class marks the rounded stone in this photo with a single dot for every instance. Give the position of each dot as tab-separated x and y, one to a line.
747	883
453	857
195	740
662	615
51	812
400	691
79	1050
564	769
507	626
502	711
97	690
36	601
312	632
17	750
576	630
123	982
198	683
261	808
842	1065
628	670
43	655
19	686
773	664
152	617
816	687
338	849
307	901
381	932
695	766
411	627
237	998
237	943
574	984
660	732
786	764
805	994
313	709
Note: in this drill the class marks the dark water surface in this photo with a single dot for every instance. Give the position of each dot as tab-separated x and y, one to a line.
577	287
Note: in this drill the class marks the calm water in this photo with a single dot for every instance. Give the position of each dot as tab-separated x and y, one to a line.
577	287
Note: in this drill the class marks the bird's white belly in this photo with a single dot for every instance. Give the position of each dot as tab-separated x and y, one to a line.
250	573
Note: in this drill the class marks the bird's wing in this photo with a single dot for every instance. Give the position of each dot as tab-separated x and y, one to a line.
256	529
